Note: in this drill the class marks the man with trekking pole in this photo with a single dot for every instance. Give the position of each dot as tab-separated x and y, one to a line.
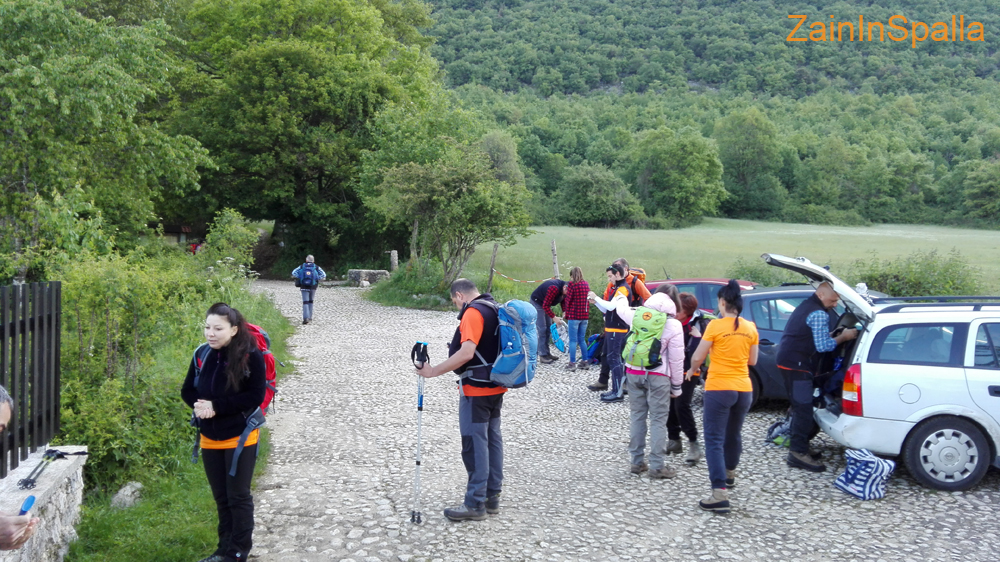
472	351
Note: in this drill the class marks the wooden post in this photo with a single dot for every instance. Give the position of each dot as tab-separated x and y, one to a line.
555	260
493	261
393	260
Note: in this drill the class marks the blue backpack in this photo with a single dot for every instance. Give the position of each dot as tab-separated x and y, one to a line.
308	276
518	354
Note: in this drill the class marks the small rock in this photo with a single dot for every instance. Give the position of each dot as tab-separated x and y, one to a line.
128	496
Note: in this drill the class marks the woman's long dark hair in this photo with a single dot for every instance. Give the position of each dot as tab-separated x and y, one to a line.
239	348
733	298
671	292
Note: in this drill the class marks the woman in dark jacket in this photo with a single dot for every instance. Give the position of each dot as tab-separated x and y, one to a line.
230	387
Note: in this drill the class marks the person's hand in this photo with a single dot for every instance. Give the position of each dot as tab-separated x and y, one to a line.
846	335
15	530
560	322
695	332
688	375
203	409
427	371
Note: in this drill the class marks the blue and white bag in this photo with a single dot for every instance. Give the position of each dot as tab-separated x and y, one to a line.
866	475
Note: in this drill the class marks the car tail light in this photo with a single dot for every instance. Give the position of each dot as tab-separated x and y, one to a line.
851	397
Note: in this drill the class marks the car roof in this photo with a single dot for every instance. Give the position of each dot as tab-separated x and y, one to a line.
790	291
706	280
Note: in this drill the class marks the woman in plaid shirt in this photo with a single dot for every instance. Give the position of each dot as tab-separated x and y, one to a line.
576	313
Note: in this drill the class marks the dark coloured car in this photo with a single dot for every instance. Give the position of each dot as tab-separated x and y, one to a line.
705	289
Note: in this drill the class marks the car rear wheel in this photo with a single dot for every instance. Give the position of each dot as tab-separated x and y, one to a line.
755	382
947	453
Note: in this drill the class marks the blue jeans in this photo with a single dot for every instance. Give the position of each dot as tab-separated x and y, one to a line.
307	302
542	322
482	446
724	411
577	336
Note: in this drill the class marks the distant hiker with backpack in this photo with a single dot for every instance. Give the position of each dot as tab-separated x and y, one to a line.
636	281
550	293
474	347
576	309
681	418
307	277
615	329
733	342
231	385
654	369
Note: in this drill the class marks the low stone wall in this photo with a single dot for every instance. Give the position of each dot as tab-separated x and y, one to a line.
371	276
58	497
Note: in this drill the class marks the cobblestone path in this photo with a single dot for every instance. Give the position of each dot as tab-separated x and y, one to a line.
339	481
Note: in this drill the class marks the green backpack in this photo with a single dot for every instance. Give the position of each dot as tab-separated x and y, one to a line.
642	348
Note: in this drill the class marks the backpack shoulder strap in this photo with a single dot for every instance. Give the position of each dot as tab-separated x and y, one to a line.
200	356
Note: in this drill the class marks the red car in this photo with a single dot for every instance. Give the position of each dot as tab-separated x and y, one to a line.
706	289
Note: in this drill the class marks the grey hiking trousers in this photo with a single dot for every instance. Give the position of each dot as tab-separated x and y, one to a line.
648	396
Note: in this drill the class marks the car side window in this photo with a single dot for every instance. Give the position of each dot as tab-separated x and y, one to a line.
988	346
760	314
773	314
933	344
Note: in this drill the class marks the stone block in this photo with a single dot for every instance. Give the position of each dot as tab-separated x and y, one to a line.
372	276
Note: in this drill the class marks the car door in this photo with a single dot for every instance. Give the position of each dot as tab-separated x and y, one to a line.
982	371
770	315
914	366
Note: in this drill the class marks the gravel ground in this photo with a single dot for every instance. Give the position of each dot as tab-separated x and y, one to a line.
339	484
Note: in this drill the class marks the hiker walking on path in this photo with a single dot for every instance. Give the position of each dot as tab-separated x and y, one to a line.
652	380
615	329
681	418
806	340
307	277
576	309
728	392
639	292
550	293
232	382
474	347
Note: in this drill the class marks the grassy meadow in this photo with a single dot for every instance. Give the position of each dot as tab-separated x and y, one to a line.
709	249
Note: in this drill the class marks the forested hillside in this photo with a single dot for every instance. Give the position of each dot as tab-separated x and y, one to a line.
659	93
577	46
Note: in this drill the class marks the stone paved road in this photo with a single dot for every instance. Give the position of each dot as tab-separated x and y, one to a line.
340	475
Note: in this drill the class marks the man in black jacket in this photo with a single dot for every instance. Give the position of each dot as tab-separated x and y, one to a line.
806	339
550	293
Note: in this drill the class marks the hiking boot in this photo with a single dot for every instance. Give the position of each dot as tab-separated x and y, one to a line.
583	365
717	502
465	513
493	504
610	397
639	468
304	322
694	453
570	366
816	455
665	472
597	386
799	460
730	478
546	359
674	446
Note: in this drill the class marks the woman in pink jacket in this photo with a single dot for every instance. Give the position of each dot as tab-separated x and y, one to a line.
649	391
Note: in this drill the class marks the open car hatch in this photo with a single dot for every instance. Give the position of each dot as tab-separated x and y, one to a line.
857	303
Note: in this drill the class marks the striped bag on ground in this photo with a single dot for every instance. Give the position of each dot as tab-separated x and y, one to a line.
866	475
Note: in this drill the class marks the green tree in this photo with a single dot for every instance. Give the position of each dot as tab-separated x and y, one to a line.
455	204
982	190
298	85
678	174
71	90
748	149
592	195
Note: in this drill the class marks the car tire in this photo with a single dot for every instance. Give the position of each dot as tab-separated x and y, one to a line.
755	383
947	453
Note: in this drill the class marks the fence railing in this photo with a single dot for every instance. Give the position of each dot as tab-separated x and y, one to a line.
30	325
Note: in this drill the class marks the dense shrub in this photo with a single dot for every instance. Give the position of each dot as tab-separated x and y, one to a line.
920	273
130	324
759	272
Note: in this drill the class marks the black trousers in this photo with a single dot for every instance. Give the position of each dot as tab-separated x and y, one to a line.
681	418
800	385
232	498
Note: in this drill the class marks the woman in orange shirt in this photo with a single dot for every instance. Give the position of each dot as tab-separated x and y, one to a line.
732	341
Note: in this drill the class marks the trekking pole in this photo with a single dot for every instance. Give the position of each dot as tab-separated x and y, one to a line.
419	357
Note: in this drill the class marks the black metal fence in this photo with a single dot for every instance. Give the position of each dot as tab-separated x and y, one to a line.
30	324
